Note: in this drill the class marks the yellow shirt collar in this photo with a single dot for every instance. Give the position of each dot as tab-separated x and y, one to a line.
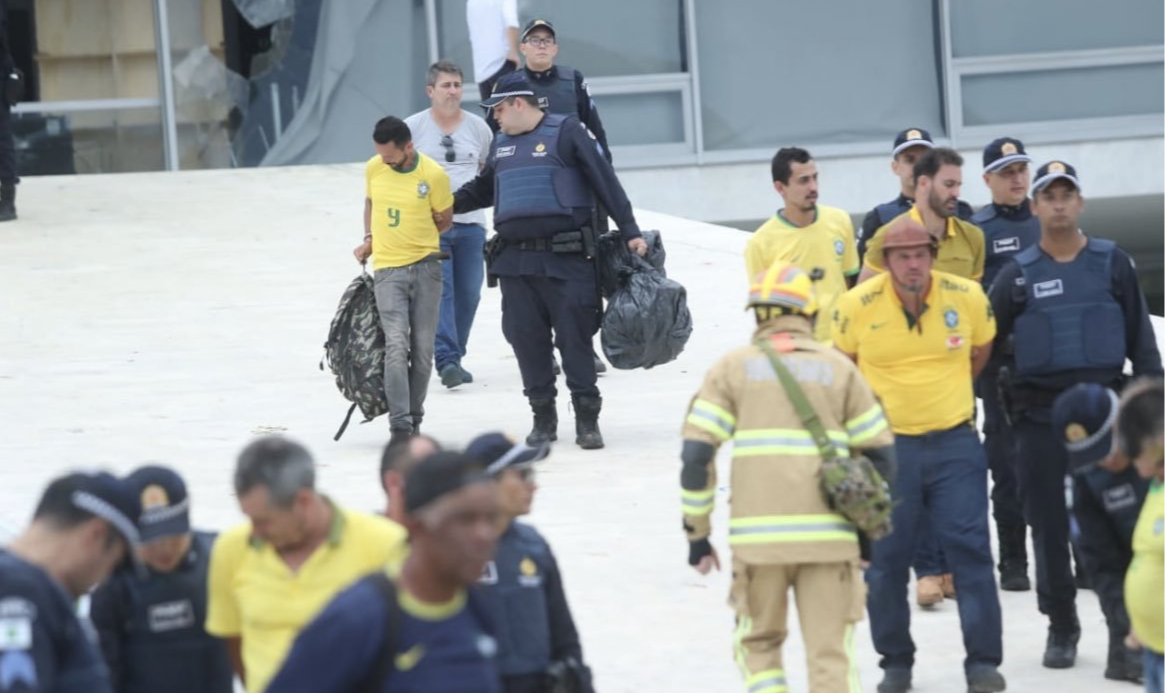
917	216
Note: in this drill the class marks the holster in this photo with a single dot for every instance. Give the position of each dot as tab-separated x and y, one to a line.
567	242
493	248
1003	390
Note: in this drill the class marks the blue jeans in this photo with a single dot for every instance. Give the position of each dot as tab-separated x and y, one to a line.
462	274
1154	663
928	556
941	481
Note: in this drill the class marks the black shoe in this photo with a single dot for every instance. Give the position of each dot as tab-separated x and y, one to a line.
399	435
987	680
451	375
895	681
600	367
1060	652
1013	576
7	202
545	422
586	422
1123	663
466	376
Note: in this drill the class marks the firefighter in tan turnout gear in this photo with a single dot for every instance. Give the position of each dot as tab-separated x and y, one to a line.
783	532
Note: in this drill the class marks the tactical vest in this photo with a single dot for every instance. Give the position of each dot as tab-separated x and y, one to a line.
889	210
1003	238
530	180
166	646
559	96
1070	318
514	590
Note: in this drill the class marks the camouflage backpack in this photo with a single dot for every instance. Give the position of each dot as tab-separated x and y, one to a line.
854	488
355	352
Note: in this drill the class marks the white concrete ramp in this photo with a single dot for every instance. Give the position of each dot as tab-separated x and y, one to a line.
170	317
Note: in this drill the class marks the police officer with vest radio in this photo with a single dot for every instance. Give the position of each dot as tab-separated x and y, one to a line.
538	645
543	175
1069	310
1008	227
151	623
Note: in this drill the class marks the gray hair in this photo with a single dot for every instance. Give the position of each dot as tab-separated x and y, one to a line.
441	67
280	465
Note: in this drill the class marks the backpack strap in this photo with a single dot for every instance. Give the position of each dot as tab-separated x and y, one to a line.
347	419
374	682
800	402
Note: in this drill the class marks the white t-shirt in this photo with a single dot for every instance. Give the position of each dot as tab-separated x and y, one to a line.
471	141
488	21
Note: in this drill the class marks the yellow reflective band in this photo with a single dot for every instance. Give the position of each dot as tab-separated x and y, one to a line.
712	418
783	441
785	529
743	629
866	426
698	502
767	681
854	683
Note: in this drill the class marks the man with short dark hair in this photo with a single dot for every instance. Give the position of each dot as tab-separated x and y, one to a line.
938	178
910	145
1070	310
805	234
398	460
83	526
151	623
542	177
270	576
407	204
459	142
419	627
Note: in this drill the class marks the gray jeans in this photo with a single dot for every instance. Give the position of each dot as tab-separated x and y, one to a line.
409	301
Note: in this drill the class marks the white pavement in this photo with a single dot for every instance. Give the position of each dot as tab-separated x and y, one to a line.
171	317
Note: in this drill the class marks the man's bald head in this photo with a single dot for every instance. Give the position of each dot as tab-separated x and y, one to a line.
397	461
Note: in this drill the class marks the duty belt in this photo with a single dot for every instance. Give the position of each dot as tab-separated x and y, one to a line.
564	242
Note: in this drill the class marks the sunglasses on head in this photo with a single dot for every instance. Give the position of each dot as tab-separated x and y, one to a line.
447	143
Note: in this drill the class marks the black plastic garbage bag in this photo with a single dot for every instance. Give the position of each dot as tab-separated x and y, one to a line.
616	264
647	321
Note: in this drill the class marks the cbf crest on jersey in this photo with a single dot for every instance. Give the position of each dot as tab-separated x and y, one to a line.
838	247
422	189
951	318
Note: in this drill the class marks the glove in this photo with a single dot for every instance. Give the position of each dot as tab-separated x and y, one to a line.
698	549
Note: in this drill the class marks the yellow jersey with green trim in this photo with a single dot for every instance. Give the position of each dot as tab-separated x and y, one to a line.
921	370
779	514
403	202
827	243
961	252
1145	579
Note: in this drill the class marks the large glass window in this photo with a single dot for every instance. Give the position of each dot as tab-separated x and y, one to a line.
640	119
1006	27
775	73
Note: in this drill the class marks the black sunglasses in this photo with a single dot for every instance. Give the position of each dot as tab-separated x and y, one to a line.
447	143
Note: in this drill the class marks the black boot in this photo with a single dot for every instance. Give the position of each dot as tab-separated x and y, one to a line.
1123	664
545	422
586	422
7	202
1060	652
1012	559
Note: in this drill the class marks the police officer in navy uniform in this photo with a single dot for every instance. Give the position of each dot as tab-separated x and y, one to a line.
560	89
522	586
1068	310
1008	227
11	86
909	146
542	176
1106	494
82	528
151	624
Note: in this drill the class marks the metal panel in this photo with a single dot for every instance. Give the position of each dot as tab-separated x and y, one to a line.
166	84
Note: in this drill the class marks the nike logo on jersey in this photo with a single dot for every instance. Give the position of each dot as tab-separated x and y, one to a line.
408	659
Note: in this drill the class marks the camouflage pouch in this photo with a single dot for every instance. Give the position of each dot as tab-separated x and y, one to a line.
854	488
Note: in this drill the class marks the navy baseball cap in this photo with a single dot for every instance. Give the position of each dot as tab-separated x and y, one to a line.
509	84
536	24
1084	415
912	137
498	452
1054	170
1003	152
165	505
103	495
440	474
